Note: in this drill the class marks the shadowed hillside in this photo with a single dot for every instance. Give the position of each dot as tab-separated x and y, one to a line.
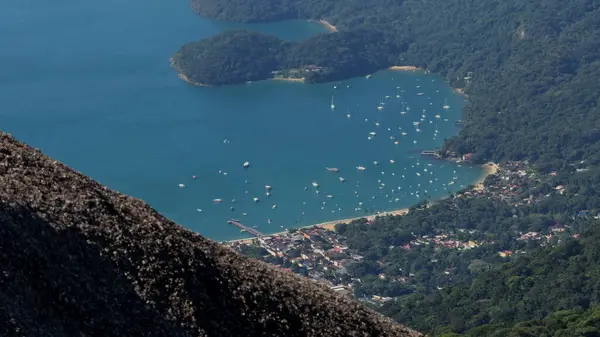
80	259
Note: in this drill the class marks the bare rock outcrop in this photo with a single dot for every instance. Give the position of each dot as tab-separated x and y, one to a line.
79	259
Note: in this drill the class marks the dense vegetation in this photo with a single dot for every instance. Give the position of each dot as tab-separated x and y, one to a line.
530	68
240	56
475	291
564	277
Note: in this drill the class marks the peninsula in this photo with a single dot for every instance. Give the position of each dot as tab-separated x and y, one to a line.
240	56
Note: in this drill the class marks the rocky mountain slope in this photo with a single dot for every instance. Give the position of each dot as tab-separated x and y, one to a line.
79	259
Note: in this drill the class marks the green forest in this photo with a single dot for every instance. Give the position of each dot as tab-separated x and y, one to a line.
531	71
240	56
530	68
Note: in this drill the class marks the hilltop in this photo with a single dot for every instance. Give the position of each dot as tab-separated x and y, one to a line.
80	259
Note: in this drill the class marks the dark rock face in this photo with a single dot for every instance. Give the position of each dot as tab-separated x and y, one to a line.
79	259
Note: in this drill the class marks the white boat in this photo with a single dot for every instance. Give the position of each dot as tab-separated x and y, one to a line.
274	206
246	164
392	161
332	105
375	162
181	185
438	116
361	168
333	169
446	106
372	133
217	201
315	185
342	179
255	199
267	187
404	133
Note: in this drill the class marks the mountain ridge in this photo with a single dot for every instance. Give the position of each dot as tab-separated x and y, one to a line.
80	259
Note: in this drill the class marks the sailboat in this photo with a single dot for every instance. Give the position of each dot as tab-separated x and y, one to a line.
446	106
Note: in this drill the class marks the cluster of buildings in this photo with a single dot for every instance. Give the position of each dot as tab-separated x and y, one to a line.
323	255
320	253
444	240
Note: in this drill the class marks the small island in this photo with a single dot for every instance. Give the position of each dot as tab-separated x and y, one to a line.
241	56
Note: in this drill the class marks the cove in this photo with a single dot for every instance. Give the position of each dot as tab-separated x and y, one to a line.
90	85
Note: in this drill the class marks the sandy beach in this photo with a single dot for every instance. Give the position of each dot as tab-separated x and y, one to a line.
289	79
489	169
330	225
328	25
404	68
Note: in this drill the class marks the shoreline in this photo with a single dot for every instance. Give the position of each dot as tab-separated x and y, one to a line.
488	169
331	28
288	79
188	81
183	77
329	225
404	68
459	91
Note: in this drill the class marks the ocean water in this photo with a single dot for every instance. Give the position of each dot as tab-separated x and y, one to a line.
89	83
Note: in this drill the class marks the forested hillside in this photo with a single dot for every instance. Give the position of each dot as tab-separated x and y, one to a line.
521	258
530	68
552	279
240	56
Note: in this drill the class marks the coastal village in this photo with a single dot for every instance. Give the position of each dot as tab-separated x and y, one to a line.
323	255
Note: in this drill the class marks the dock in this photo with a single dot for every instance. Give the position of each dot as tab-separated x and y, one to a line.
429	153
246	228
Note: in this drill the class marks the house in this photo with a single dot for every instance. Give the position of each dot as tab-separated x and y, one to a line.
505	253
467	156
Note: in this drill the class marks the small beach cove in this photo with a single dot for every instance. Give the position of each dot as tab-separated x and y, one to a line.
489	169
111	106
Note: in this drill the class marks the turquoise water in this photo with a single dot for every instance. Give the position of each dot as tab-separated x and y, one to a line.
89	83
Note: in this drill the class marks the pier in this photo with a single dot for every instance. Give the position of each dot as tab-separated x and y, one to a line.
429	153
246	228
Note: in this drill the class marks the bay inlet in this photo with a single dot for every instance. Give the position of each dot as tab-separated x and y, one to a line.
107	103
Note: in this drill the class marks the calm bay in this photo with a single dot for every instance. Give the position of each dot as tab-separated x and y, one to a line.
89	83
